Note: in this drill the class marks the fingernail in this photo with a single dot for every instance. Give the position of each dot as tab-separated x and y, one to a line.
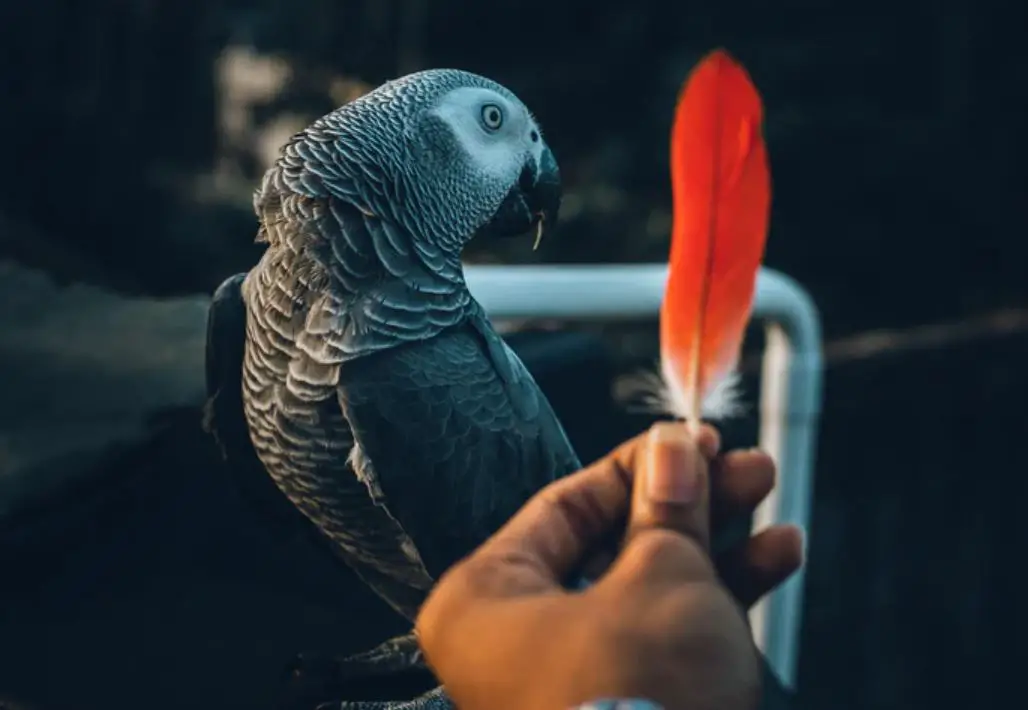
711	446
670	475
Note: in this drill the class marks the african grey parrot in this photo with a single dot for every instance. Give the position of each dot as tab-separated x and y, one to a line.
376	392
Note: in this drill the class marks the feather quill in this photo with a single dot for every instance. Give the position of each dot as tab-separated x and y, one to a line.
722	195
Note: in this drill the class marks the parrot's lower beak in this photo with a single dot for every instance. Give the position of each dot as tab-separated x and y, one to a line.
533	203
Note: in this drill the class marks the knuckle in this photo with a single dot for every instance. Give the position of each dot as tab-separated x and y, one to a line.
685	520
654	544
655	547
577	509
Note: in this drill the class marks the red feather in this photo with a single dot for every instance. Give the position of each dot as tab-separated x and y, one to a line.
722	198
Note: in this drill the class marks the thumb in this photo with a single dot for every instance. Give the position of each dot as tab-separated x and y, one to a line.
668	531
672	484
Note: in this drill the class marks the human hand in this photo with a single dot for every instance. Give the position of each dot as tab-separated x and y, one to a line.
501	632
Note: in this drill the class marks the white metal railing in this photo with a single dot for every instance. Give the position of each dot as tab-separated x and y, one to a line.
790	392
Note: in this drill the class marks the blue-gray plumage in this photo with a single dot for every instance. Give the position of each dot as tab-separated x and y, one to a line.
375	391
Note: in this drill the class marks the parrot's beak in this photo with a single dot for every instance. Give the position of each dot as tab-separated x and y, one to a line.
533	203
543	196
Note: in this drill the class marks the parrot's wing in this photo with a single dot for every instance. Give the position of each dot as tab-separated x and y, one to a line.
226	342
223	410
527	399
445	444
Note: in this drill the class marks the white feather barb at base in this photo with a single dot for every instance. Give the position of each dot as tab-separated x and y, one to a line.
655	392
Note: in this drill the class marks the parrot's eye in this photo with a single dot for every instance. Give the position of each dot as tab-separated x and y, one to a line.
492	117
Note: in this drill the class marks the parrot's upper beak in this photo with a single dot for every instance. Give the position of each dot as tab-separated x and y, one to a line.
533	202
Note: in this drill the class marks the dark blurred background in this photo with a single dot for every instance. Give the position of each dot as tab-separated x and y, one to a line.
134	132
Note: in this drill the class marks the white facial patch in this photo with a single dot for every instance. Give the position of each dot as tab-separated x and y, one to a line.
501	153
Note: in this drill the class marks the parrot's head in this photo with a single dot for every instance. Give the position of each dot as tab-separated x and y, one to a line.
445	154
482	157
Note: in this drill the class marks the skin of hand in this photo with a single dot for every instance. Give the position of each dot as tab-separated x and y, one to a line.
661	622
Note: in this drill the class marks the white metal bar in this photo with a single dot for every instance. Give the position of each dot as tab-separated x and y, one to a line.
774	399
790	408
790	397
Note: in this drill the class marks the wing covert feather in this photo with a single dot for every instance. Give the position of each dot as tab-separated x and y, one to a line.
453	456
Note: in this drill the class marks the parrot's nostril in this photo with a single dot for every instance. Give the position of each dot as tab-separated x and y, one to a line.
534	135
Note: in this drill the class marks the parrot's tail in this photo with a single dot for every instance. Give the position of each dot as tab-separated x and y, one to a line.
722	197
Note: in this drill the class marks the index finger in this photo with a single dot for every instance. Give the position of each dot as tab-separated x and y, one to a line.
535	550
552	534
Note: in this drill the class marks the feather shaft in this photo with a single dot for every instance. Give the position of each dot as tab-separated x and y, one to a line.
722	194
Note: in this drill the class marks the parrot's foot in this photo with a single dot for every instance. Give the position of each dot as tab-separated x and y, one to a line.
435	699
400	654
394	668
